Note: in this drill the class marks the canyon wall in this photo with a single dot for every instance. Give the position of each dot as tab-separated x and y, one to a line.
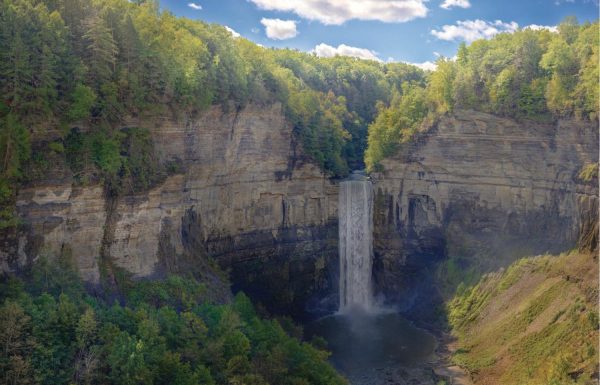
483	191
477	189
245	196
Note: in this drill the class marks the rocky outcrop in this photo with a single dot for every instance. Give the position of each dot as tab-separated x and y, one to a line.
484	191
246	196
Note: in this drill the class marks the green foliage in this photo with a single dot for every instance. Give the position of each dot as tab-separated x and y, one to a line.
125	159
362	84
100	49
320	120
456	275
105	151
396	124
140	168
14	152
95	63
165	333
440	88
99	62
83	100
56	147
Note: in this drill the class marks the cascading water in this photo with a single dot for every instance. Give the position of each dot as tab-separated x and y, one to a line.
368	342
355	214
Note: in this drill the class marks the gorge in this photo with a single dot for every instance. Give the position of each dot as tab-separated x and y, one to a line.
177	206
271	219
370	344
270	216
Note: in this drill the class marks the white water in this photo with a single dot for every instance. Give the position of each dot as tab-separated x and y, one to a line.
355	214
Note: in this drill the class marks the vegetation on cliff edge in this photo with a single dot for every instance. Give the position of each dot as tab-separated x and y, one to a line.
68	64
529	74
73	71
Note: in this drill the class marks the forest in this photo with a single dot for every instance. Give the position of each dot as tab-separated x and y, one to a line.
155	332
72	70
69	64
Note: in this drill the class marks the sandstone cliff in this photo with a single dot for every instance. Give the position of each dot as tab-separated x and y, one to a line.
484	191
246	196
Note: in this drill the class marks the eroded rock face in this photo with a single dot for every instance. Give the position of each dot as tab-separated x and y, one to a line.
246	197
483	190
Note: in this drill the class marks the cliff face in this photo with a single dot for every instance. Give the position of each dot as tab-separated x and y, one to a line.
246	197
478	189
483	191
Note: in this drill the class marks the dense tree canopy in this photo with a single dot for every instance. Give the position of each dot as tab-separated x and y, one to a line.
71	71
161	332
80	63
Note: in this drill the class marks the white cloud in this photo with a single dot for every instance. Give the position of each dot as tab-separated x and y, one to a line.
535	27
325	50
470	30
232	31
278	29
595	2
447	4
195	6
339	11
426	65
255	30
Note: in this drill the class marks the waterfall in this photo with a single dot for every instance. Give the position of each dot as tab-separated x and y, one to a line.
356	243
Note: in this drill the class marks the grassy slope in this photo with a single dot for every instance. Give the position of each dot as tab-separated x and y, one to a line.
534	323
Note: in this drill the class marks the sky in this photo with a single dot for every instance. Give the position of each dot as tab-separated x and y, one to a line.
412	31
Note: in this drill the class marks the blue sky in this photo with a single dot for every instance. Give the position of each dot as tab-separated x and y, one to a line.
401	30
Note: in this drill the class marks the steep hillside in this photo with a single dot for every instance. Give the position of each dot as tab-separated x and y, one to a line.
136	140
533	323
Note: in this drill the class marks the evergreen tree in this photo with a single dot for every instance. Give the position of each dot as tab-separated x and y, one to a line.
101	51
